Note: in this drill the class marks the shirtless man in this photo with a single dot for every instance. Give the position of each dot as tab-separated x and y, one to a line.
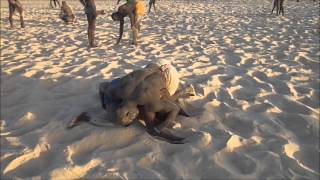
148	95
121	89
279	5
13	6
66	13
113	94
135	11
92	13
56	2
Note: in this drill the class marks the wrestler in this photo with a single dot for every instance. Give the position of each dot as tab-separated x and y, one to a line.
92	13
56	2
147	95
114	93
66	13
135	11
13	6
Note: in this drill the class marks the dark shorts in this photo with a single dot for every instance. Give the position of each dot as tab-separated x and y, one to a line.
105	99
91	14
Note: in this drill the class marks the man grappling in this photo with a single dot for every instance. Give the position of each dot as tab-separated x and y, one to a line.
149	94
135	11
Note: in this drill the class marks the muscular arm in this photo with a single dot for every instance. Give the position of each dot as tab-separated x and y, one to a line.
120	30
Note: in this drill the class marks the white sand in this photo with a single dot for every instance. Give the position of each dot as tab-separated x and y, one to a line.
256	76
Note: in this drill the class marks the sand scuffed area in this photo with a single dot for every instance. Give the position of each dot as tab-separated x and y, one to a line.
256	76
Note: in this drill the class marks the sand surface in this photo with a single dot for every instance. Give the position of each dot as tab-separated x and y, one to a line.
256	76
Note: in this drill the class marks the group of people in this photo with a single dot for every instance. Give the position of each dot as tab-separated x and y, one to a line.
134	9
278	5
150	94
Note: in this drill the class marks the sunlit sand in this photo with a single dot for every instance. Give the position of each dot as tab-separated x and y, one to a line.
256	112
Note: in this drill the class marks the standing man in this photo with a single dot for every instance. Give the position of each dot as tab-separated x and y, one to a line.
13	6
92	13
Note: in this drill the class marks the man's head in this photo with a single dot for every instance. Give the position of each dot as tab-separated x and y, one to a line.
64	3
116	16
127	113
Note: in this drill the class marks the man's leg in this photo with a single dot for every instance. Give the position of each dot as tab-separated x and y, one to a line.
134	35
21	18
154	5
91	29
273	5
58	3
164	106
139	19
11	12
150	5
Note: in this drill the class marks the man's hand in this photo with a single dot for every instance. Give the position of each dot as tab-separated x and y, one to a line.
165	136
76	121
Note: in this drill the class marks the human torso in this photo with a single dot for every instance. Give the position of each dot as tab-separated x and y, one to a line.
150	89
126	9
90	7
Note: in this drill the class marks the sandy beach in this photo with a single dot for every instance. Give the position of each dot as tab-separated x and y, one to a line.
256	77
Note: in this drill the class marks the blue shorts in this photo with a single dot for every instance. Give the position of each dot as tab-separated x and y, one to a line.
105	98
